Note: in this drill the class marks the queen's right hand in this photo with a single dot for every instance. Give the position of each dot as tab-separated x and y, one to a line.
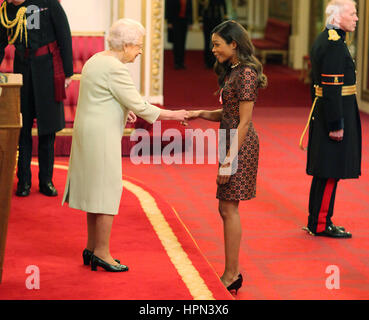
194	114
180	115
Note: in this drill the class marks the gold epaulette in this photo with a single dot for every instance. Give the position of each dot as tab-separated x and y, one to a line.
333	35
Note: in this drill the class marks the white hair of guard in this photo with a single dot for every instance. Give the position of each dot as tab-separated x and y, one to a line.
334	10
124	31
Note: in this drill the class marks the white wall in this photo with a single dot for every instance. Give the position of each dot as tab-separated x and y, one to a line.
87	15
299	40
132	10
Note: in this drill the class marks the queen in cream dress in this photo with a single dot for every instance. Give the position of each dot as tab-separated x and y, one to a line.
107	96
107	93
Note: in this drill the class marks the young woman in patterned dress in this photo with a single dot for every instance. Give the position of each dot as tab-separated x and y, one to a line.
240	74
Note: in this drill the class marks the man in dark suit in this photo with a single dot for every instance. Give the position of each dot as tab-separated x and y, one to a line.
179	16
44	57
213	12
334	148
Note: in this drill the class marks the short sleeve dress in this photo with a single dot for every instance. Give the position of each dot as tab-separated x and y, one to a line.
240	85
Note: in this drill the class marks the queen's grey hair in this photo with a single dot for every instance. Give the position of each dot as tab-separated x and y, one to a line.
124	31
334	10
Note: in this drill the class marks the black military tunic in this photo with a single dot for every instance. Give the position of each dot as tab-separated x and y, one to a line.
43	89
328	161
333	69
38	72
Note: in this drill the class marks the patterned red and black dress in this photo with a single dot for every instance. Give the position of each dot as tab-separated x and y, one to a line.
241	85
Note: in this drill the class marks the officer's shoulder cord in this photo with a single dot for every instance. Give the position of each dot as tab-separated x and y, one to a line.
20	22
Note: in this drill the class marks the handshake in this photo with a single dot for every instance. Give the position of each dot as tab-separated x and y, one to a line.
178	115
184	116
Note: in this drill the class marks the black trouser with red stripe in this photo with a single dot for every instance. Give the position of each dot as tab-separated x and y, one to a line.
321	203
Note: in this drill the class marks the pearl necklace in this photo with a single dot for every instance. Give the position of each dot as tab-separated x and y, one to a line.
235	65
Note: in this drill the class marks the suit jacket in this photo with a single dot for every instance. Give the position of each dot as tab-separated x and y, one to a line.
172	10
333	68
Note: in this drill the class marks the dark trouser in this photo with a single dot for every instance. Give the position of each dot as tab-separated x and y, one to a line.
321	203
209	58
180	27
45	145
208	27
45	156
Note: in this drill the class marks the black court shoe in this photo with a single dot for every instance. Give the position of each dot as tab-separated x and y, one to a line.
87	254
236	285
96	261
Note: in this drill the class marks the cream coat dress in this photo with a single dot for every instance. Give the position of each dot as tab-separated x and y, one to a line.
107	92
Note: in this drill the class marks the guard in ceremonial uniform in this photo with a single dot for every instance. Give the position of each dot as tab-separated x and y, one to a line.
40	32
334	147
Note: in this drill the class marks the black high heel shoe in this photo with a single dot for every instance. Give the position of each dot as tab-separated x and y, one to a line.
96	261
236	285
87	254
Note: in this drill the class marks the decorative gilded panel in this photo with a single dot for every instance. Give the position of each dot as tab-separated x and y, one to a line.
157	11
365	72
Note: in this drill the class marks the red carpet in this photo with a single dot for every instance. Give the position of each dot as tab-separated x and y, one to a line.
194	87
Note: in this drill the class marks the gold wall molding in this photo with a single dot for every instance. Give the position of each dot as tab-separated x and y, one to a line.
157	10
143	56
365	62
195	11
121	9
112	4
